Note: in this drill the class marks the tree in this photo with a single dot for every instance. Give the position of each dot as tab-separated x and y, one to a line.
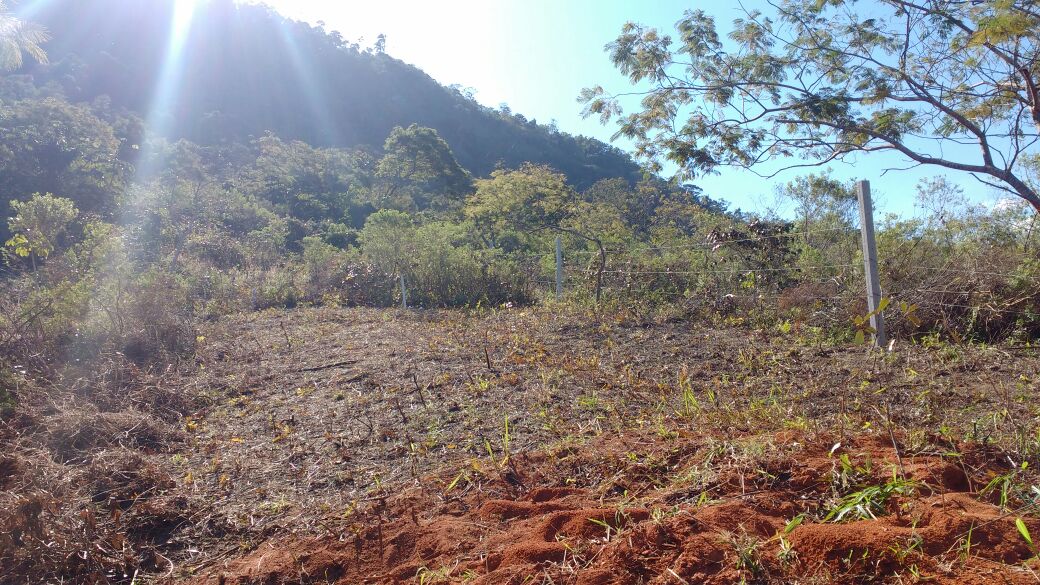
826	209
636	207
18	38
532	199
312	183
419	171
388	241
820	199
38	223
52	146
824	79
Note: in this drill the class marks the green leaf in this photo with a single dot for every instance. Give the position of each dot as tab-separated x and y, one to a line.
794	523
1024	531
454	482
885	301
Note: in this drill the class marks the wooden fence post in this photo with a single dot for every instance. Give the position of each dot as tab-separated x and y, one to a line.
404	294
559	268
870	262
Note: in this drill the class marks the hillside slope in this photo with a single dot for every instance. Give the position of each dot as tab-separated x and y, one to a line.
245	70
330	445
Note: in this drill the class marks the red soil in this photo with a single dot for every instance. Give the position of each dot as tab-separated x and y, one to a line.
526	524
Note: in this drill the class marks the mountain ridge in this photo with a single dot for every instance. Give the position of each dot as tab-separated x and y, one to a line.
245	70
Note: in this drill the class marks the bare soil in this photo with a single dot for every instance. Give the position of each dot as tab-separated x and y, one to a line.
621	510
549	446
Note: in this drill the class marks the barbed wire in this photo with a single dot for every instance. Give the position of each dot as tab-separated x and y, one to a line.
685	295
730	271
991	309
689	246
714	245
972	271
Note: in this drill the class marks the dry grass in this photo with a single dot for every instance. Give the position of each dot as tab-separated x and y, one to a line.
297	421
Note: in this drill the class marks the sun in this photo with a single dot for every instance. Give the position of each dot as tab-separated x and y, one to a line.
183	12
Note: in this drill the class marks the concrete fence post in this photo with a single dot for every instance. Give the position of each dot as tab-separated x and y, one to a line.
559	268
870	262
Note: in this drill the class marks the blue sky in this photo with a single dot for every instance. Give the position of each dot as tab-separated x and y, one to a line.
537	55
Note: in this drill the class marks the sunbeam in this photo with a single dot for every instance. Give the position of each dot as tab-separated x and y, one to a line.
316	98
161	114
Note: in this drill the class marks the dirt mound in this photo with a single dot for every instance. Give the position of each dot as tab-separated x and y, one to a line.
535	522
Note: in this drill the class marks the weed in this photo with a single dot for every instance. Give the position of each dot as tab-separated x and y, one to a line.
506	440
847	475
606	526
274	508
659	514
691	407
663	431
966	544
589	402
787	554
1024	531
745	546
913	544
868	502
427	576
7	402
479	385
1006	486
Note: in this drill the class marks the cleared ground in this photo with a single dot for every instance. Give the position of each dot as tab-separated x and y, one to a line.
559	446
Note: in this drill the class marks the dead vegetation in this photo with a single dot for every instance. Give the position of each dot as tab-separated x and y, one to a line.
423	446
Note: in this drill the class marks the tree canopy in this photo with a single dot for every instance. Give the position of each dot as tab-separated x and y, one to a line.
945	83
294	80
38	223
19	38
419	170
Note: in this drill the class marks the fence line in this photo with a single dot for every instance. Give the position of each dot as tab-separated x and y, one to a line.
759	297
954	270
692	246
715	245
980	272
626	265
733	271
976	307
706	246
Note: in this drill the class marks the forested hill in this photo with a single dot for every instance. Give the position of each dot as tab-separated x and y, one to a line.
251	71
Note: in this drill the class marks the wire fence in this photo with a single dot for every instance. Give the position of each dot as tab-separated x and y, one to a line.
834	274
763	271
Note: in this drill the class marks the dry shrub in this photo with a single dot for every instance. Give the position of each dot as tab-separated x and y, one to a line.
161	319
129	486
987	296
11	467
83	498
75	436
122	475
93	523
806	297
37	520
821	304
110	382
